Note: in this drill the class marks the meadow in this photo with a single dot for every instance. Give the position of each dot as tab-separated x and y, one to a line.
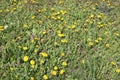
59	39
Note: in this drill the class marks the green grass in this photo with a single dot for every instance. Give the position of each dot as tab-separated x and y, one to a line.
80	38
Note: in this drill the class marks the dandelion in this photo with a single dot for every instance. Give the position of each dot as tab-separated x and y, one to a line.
96	41
91	16
62	71
64	63
42	61
83	61
61	35
32	78
60	2
45	77
0	11
1	28
107	45
55	68
32	62
56	44
33	17
90	43
64	41
117	70
44	54
54	73
113	63
44	32
62	54
25	48
99	38
25	58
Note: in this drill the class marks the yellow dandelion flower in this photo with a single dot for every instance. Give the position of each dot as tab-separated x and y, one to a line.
25	58
96	41
91	16
117	70
62	71
62	54
60	2
55	68
42	61
56	44
44	54
89	39
99	38
107	45
64	63
33	17
73	26
83	61
11	68
45	77
44	32
0	11
64	41
32	62
113	63
32	78
116	34
54	72
25	48
90	43
61	35
1	28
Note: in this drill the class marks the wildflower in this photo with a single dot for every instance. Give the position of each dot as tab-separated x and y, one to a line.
64	63
45	77
96	41
61	35
89	39
113	63
117	70
11	68
25	58
62	54
33	17
107	45
83	61
64	41
55	68
90	43
60	2
73	26
99	38
44	54
116	34
62	71
1	28
19	47
0	11
42	61
44	32
91	16
25	48
32	78
56	44
99	16
25	25
54	73
32	62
